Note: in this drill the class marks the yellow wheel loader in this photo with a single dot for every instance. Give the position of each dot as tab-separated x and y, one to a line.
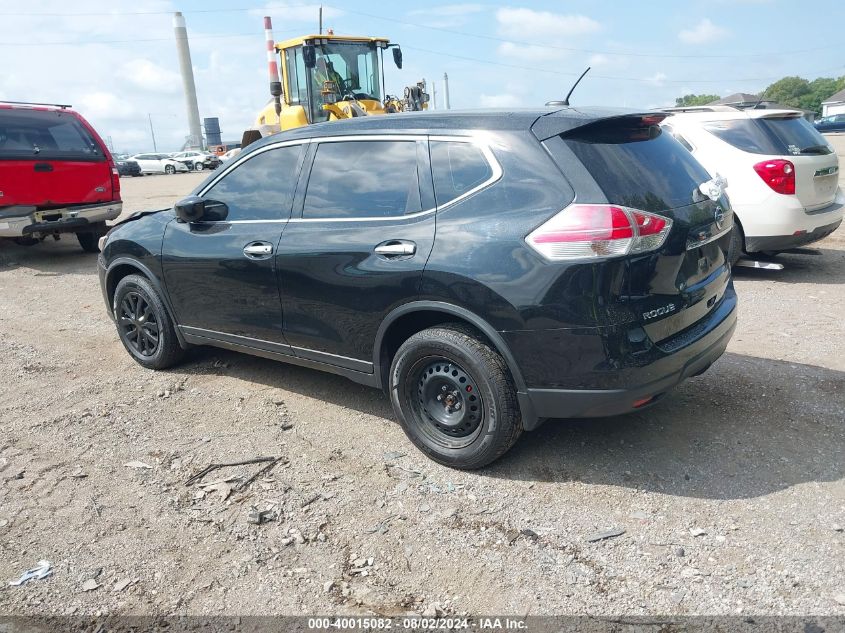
329	77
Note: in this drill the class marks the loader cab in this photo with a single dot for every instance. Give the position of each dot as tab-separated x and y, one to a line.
330	77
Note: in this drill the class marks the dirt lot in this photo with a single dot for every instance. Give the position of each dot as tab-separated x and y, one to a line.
730	492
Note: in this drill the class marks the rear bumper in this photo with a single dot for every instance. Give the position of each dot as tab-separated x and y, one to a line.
29	222
641	378
785	242
778	218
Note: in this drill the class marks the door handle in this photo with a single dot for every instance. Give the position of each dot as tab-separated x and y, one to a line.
43	167
396	248
258	250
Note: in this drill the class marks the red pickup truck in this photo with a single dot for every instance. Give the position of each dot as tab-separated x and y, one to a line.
56	175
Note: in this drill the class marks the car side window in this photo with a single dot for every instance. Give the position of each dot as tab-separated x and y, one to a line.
457	167
262	187
358	179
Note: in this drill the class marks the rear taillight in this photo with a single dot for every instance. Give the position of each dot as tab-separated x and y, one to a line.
115	183
589	231
779	174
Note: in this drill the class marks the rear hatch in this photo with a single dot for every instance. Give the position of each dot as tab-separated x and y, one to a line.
787	135
50	159
634	164
816	164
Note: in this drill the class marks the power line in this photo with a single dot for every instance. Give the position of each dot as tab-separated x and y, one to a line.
425	26
575	74
119	13
134	40
581	50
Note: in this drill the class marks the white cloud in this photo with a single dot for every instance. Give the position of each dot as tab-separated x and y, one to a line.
529	53
285	12
446	16
704	31
524	24
657	79
450	10
505	100
147	75
106	104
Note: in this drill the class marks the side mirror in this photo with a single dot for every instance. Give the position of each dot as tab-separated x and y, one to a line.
194	209
397	57
309	55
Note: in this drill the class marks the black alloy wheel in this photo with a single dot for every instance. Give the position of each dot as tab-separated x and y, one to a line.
144	325
139	328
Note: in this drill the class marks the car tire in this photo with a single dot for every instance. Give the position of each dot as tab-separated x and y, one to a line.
737	244
169	170
144	325
454	397
198	166
88	239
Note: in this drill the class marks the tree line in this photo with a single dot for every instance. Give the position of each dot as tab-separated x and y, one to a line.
795	92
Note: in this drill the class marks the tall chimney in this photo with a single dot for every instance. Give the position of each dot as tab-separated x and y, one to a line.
184	52
446	91
272	66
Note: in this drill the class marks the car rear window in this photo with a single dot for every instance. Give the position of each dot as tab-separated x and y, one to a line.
778	136
637	166
797	135
45	135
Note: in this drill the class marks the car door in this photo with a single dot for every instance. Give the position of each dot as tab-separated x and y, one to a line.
150	164
141	159
220	276
362	231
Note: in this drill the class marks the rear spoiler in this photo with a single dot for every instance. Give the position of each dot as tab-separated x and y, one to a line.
565	121
775	114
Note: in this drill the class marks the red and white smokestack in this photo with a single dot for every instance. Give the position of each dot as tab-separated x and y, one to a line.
272	64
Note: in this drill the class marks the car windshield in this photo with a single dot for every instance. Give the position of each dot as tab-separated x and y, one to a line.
351	66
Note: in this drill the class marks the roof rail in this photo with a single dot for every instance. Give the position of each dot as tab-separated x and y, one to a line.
705	108
63	106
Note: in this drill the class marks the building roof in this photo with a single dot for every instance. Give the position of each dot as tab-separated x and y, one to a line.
737	97
836	97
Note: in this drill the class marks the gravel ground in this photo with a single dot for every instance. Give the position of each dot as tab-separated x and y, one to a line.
730	492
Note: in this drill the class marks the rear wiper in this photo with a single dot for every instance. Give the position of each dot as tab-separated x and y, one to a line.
816	149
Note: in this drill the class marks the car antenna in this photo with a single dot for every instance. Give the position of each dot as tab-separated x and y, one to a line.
759	101
565	102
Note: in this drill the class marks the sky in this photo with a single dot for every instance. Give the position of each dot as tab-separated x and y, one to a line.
115	61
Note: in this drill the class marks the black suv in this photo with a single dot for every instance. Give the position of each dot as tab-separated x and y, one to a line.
488	270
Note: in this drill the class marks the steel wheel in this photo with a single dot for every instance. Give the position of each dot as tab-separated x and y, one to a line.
169	169
138	325
198	166
448	407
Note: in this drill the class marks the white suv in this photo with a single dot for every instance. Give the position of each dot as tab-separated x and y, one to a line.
783	176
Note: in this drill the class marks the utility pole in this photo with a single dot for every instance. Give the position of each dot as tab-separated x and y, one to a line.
188	85
321	19
446	91
152	132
